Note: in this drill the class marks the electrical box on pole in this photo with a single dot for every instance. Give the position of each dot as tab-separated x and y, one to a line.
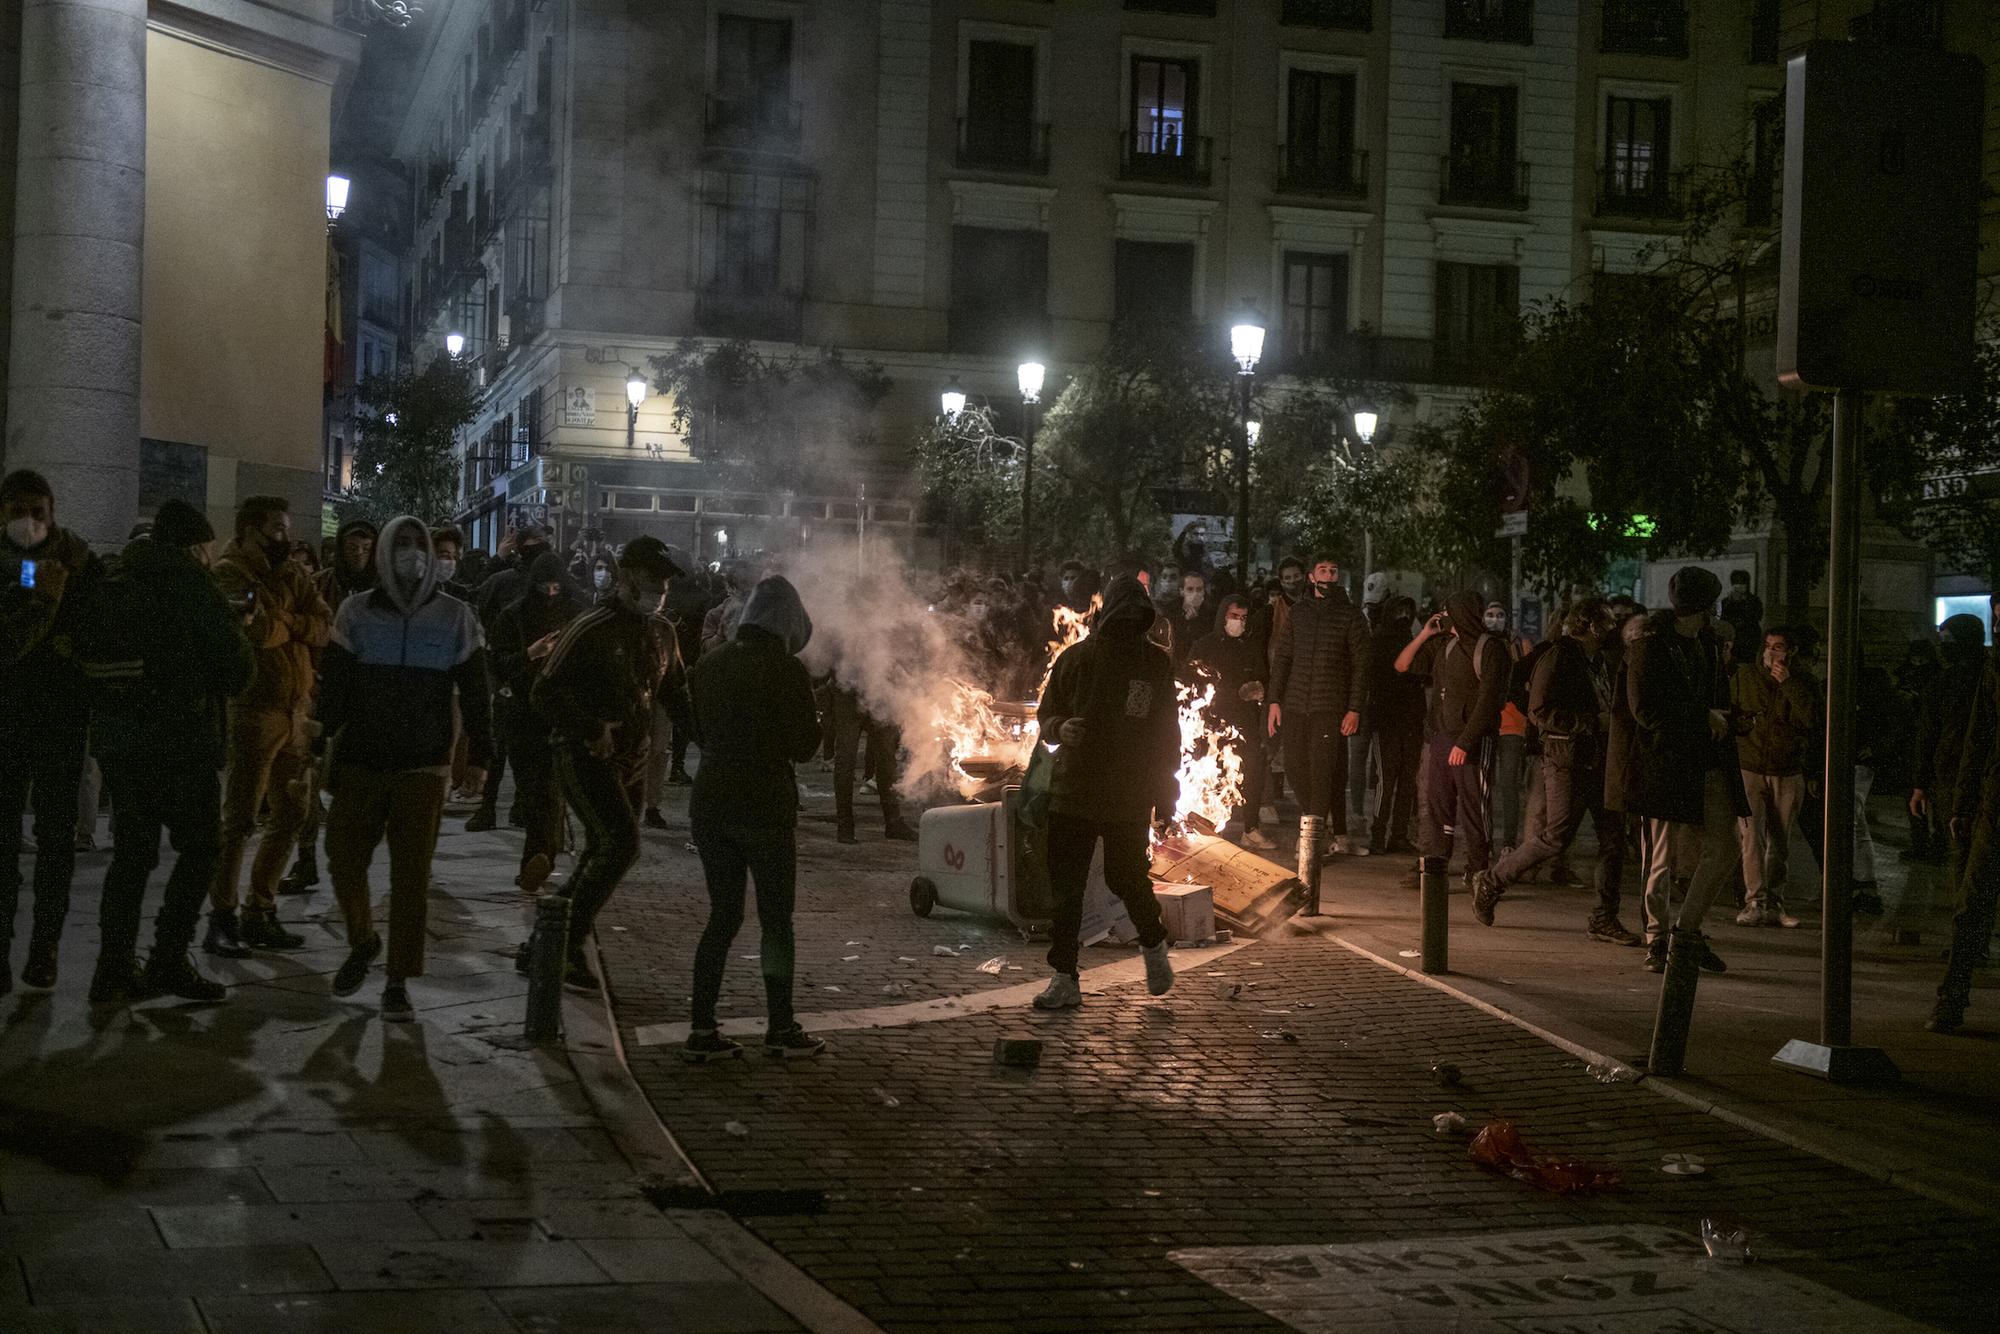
1880	249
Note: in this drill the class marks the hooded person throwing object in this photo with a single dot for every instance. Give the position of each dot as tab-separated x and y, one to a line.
1109	717
399	655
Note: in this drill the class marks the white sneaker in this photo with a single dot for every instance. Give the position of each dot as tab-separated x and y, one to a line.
1159	969
1345	845
1062	993
1257	838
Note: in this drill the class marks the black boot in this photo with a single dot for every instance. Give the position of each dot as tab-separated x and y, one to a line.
481	820
115	981
224	940
304	873
653	819
176	975
263	932
39	972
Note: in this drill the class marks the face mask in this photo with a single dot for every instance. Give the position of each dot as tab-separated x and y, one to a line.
1234	626
410	564
279	549
1496	622
601	579
446	569
1193	601
27	531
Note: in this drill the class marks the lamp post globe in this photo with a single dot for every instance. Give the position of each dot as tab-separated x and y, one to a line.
952	401
454	343
337	187
1029	374
1364	425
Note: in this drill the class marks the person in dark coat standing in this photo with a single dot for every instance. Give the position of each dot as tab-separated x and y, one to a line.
1673	763
1971	798
1468	666
498	591
754	718
524	635
1190	617
1396	714
164	654
1319	681
1942	719
1234	660
1110	722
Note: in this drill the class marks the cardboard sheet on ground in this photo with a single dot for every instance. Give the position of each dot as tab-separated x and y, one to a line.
1584	1280
1251	894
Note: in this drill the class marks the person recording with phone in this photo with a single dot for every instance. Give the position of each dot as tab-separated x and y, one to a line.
44	716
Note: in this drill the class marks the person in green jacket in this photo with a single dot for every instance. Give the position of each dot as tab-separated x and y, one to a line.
164	654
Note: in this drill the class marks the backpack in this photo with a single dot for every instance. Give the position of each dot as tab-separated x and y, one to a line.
1523	673
121	625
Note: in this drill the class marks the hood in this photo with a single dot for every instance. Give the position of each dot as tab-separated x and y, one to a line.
547	568
149	555
1126	608
340	544
1467	611
774	608
385	572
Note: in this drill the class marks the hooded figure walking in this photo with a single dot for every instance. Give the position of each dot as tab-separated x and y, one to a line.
754	719
1470	665
1108	716
405	662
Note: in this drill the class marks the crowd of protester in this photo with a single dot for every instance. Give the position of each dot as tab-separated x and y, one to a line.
261	690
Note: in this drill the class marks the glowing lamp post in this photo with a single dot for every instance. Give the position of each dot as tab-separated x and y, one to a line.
1246	346
1029	375
952	401
454	343
636	390
336	197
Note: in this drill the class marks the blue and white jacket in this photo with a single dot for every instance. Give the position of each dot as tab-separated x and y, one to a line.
401	657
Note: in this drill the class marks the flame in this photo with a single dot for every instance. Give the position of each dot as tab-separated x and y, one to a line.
1211	772
974	732
1071	627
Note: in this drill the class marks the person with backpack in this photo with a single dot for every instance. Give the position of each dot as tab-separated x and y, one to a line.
1569	705
164	654
524	635
1468	666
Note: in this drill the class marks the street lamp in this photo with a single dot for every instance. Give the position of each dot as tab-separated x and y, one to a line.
1364	431
1246	345
454	343
636	390
952	401
1364	425
1029	375
336	197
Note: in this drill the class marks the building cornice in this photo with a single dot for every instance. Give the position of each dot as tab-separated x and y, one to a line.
264	33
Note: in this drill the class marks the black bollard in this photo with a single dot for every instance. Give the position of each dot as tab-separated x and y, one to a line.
1434	895
548	957
1311	832
1676	1016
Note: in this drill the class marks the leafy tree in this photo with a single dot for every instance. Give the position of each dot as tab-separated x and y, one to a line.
1308	460
971	480
754	415
1934	467
403	450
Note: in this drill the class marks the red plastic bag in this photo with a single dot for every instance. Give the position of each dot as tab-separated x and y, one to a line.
1500	1146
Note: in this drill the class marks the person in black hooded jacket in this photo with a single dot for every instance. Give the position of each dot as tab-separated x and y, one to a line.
754	718
1110	720
1469	666
1942	717
524	635
1235	661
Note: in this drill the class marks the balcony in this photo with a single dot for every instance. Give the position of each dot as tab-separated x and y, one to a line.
527	316
1361	354
1352	15
1483	182
731	312
1645	28
1305	172
1020	147
1661	196
1490	21
768	124
1171	159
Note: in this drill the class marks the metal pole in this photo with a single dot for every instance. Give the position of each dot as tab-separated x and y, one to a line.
1367	561
1243	482
548	957
1028	488
1514	588
1434	895
1671	1022
1311	829
1842	599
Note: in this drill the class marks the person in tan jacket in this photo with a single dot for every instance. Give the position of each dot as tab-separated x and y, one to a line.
286	619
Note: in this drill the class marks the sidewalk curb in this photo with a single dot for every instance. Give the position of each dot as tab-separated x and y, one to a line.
1915	1183
592	1044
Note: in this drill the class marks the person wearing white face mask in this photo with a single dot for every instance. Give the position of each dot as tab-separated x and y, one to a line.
601	576
44	573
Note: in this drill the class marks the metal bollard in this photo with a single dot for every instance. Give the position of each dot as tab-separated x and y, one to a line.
548	957
1434	894
1676	1015
1311	832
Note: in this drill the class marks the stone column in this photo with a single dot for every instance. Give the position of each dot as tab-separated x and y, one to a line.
79	229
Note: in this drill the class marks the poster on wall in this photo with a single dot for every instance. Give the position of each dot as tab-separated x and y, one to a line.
579	406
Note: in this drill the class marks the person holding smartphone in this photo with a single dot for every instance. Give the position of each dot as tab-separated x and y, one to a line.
45	573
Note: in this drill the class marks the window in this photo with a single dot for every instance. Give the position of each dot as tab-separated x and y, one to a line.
1154	282
1355	15
753	253
753	76
1315	304
999	129
999	290
1765	186
1482	167
1489	20
1637	147
1645	27
1765	23
1163	106
1319	132
1477	306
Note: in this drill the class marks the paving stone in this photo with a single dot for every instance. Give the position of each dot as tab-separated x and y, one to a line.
360	1265
684	1308
199	1225
357	1313
655	1260
29	1190
81	1275
347	1182
172	1316
556	1219
114	1228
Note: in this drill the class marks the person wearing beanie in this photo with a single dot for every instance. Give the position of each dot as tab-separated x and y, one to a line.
597	691
1779	736
163	653
1673	764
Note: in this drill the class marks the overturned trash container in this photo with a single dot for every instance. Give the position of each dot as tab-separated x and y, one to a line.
981	859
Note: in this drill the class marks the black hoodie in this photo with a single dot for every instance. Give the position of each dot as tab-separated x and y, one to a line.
519	627
1122	689
1469	668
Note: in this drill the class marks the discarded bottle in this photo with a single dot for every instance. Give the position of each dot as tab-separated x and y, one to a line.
1726	1241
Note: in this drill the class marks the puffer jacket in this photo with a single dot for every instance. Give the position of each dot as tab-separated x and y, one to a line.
37	666
1660	743
1321	663
289	621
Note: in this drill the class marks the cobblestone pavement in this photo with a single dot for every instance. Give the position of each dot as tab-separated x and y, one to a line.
287	1162
934	1190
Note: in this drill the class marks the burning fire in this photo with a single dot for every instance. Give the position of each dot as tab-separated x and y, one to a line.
983	737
